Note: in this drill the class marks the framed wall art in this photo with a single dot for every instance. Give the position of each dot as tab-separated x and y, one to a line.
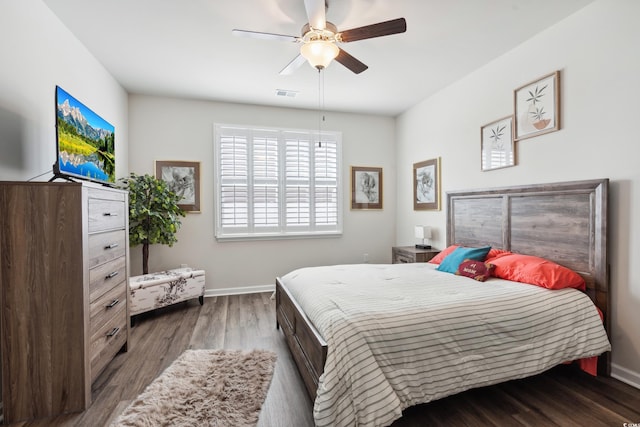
366	187
497	147
184	179
537	107
426	185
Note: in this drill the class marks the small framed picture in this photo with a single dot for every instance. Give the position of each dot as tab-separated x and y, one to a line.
184	179
426	185
366	187
497	145
537	107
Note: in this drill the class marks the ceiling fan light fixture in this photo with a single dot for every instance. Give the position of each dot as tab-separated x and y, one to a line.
319	53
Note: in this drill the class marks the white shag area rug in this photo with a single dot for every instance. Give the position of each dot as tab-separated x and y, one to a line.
205	388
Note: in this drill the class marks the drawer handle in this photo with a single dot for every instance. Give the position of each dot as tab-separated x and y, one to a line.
113	303
111	246
113	332
111	275
110	214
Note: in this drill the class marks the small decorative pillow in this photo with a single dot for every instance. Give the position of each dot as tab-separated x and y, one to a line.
477	270
451	262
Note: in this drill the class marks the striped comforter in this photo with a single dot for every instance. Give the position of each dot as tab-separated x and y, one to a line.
404	334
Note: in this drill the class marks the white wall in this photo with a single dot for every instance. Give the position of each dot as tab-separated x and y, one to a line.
37	53
177	129
597	51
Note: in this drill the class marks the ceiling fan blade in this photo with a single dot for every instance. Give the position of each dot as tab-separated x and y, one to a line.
350	62
316	13
293	65
264	36
380	29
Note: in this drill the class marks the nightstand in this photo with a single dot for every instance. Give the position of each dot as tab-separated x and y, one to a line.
405	254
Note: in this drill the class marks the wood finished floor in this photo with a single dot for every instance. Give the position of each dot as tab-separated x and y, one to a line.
560	397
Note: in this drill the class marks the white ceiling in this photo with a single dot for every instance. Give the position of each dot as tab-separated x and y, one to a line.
185	48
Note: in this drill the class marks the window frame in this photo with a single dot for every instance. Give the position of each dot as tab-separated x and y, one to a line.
282	231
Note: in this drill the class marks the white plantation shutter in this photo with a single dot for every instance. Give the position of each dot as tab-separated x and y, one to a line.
233	168
326	183
298	179
276	183
264	191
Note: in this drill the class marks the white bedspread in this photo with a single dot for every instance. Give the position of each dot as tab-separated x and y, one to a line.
403	334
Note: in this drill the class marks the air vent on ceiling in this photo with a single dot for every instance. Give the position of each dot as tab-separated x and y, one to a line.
286	92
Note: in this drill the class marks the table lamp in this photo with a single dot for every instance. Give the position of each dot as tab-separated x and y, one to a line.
422	232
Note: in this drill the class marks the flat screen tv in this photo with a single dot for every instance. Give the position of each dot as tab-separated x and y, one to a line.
84	142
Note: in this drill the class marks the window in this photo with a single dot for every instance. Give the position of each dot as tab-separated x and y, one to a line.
276	183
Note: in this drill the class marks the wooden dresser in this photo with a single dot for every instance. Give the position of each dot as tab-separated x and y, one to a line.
63	277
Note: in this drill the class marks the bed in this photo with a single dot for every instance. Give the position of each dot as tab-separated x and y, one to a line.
361	377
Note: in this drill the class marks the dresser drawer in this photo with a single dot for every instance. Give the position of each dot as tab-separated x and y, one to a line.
106	214
402	258
107	246
106	194
107	306
107	341
104	277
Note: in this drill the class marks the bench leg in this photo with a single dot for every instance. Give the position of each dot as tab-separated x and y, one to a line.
201	299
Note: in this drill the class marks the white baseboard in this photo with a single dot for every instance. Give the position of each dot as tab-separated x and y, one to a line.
625	375
237	291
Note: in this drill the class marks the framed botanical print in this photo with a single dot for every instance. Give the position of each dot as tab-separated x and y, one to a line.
184	179
426	185
537	107
366	187
497	147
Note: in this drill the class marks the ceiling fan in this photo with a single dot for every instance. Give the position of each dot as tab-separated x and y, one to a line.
320	38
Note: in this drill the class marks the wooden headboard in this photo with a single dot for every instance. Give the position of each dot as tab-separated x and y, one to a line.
562	222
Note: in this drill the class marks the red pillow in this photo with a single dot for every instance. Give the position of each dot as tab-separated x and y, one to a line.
443	254
536	271
496	253
477	270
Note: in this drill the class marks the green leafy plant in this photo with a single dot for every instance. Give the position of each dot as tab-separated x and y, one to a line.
154	214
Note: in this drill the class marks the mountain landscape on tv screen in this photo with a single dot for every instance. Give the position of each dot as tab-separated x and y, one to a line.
85	141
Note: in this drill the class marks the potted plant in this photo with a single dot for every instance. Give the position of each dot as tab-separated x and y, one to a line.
154	214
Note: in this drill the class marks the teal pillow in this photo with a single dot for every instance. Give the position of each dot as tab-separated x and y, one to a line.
451	262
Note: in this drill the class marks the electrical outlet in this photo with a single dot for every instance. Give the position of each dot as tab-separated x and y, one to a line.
365	258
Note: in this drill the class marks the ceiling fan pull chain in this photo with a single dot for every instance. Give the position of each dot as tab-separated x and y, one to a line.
320	108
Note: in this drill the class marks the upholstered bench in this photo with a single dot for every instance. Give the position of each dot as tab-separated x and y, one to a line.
156	290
